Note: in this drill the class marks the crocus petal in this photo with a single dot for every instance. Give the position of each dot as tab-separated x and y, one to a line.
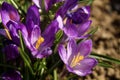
33	15
11	51
42	52
11	75
37	2
26	37
71	49
35	34
3	33
69	4
84	67
8	12
60	21
82	28
13	29
49	33
81	15
71	30
62	53
85	47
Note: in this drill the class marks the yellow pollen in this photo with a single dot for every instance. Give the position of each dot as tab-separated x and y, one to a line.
65	20
76	59
8	34
39	41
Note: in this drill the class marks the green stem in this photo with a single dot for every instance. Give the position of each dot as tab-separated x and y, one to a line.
17	7
26	61
55	74
13	2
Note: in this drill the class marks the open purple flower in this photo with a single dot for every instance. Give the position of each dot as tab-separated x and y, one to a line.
8	12
76	57
47	3
11	75
10	19
38	42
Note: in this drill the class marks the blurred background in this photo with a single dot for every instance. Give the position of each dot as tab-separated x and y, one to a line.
106	41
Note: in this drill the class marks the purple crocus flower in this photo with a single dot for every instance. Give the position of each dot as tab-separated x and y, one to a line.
76	57
10	19
76	31
80	15
47	3
11	75
39	42
8	12
11	52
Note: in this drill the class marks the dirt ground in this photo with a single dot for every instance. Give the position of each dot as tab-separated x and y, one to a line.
106	41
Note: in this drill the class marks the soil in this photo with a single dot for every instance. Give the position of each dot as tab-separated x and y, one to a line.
106	41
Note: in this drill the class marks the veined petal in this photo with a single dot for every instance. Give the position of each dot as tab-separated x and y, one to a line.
44	52
62	53
84	67
8	12
71	30
35	34
60	21
85	47
71	49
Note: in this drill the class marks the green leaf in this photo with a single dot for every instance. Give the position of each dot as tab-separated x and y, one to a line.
104	64
93	31
87	2
58	36
25	60
105	58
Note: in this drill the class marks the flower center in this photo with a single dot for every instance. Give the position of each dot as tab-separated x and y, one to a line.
76	59
39	42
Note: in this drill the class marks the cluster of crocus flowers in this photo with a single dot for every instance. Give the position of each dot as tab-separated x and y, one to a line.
69	18
75	24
